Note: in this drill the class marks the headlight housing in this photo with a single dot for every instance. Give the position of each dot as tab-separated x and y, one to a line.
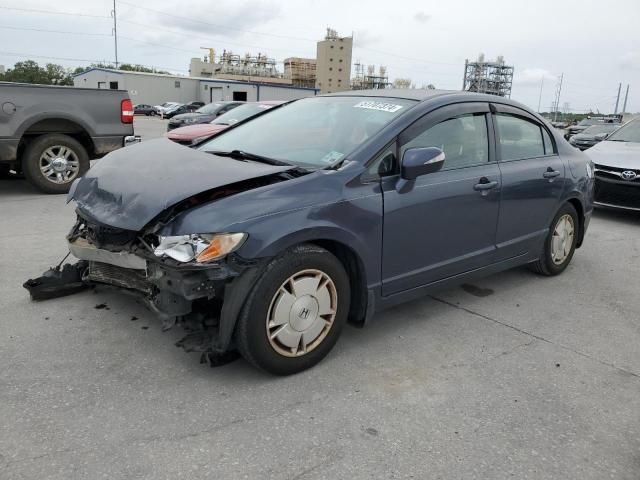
201	248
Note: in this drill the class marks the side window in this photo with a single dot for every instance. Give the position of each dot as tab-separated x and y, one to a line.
548	144
463	140
519	138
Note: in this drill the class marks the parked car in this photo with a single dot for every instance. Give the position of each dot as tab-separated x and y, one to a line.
585	123
50	133
179	110
202	115
144	109
592	135
617	168
194	134
197	104
160	109
269	236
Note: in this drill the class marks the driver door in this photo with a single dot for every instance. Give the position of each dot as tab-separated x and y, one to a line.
446	223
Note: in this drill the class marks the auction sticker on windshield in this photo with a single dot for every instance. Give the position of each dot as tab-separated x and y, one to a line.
385	107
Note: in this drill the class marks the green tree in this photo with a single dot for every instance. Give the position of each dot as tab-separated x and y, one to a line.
30	72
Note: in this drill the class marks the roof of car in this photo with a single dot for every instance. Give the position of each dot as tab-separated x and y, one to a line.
408	93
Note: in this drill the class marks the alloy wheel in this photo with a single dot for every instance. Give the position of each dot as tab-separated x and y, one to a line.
59	164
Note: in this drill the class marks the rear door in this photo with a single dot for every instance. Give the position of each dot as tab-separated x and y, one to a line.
532	181
446	223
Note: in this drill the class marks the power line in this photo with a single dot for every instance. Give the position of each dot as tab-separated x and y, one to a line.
7	27
160	12
52	12
192	37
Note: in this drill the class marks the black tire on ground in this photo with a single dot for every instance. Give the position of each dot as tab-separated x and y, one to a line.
251	333
31	161
545	264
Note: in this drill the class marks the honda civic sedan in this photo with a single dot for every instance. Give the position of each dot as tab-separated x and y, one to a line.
268	238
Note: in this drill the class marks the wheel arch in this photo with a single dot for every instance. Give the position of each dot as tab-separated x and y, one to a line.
357	258
576	202
56	124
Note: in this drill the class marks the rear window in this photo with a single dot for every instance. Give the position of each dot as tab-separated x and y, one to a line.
519	138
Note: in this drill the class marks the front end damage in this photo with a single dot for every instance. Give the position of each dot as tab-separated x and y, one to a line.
205	299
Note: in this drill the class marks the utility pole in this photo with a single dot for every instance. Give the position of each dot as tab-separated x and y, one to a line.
558	92
626	96
540	96
618	98
115	29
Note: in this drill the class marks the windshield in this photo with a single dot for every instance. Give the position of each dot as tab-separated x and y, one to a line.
605	128
241	113
312	132
627	133
209	109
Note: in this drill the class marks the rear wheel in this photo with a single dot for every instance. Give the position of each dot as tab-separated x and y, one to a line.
295	313
560	244
53	162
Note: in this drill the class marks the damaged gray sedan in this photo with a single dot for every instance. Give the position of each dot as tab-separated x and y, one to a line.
267	238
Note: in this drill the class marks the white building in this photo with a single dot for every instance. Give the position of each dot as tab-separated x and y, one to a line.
155	88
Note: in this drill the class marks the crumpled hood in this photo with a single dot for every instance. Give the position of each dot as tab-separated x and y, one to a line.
616	154
195	131
132	185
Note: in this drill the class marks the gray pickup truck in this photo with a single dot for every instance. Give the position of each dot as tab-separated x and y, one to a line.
50	133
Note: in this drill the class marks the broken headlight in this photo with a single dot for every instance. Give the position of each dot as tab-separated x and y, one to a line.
199	247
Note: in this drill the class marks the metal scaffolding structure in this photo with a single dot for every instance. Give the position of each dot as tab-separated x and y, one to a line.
492	77
301	71
369	80
255	66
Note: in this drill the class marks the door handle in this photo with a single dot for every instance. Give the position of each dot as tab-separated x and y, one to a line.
550	173
485	184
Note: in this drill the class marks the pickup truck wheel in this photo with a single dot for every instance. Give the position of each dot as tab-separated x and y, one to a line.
560	244
295	313
52	162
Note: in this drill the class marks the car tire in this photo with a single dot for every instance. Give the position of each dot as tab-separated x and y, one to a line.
282	328
35	158
560	243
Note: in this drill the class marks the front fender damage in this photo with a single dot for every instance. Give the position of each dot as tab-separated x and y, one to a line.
205	302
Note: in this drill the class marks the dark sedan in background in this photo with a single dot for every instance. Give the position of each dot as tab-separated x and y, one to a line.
202	115
144	109
268	237
592	135
585	123
179	110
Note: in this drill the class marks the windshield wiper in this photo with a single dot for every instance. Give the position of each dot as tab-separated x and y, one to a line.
241	155
618	140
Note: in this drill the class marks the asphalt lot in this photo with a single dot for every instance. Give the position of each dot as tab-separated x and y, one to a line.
517	376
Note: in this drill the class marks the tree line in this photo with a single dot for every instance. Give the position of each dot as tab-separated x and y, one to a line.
29	71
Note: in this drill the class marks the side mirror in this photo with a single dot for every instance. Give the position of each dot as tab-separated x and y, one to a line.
420	161
602	136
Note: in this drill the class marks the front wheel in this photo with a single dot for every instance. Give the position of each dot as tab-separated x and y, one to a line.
295	313
560	244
